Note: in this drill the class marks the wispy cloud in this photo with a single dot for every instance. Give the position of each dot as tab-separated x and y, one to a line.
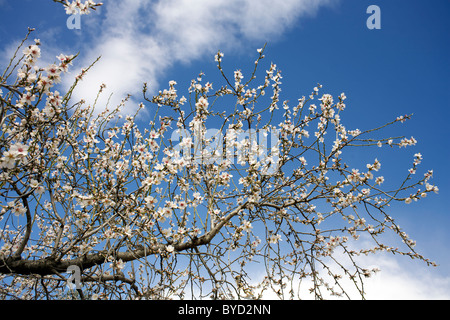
138	40
406	281
396	280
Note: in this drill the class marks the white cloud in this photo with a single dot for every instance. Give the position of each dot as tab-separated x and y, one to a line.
7	52
397	280
408	280
138	40
400	278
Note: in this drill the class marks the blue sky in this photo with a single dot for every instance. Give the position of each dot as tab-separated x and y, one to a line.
402	68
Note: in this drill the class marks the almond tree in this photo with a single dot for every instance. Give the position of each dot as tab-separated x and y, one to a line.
198	202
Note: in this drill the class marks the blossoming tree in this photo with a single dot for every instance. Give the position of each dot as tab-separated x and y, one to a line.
201	203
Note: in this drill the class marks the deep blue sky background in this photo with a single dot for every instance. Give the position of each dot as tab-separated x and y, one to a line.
402	68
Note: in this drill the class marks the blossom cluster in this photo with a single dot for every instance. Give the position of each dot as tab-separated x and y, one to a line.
78	7
188	197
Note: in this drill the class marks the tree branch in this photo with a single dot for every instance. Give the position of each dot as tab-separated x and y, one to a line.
25	239
47	266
